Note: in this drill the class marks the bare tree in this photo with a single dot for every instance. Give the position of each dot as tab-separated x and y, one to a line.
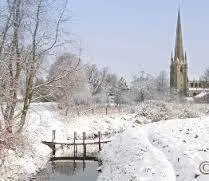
95	78
162	82
143	87
28	34
38	49
205	75
73	81
10	56
110	83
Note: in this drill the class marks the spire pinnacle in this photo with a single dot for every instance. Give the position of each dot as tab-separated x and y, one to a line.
171	56
185	57
179	53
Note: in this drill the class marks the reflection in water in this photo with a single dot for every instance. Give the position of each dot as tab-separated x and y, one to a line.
66	171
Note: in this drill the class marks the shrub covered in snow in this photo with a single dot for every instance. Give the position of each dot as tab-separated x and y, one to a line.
159	110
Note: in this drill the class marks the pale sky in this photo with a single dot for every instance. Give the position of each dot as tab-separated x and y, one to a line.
133	35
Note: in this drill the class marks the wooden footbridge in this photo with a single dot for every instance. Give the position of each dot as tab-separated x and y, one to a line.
75	143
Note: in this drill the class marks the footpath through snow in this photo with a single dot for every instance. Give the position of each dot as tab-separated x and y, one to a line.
131	157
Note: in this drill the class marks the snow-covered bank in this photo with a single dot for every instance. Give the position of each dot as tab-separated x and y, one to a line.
165	150
23	163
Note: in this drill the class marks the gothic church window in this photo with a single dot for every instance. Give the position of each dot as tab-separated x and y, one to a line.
195	85
200	85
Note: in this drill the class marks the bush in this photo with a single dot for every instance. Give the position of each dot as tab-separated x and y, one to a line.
159	110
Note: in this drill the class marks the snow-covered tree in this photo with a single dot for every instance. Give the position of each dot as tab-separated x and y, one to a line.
71	88
205	75
142	87
28	33
122	92
95	78
162	82
110	83
162	86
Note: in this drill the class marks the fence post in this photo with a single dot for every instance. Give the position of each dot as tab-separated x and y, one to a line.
74	146
53	144
84	145
99	134
106	110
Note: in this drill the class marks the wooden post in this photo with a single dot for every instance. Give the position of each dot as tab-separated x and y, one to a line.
53	144
74	146
84	150
84	165
84	145
92	110
106	110
74	166
53	166
99	134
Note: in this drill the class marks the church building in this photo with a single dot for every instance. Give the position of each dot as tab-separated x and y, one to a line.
179	82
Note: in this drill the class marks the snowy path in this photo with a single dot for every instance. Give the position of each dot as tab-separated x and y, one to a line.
131	157
185	143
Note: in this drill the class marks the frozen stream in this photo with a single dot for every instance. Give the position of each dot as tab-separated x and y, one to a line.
66	170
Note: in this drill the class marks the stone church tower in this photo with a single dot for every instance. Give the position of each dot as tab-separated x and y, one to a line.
178	67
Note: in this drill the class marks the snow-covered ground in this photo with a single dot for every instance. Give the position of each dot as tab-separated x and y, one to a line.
131	156
162	151
137	152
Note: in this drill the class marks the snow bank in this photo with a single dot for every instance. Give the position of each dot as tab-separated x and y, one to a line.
165	150
23	163
107	124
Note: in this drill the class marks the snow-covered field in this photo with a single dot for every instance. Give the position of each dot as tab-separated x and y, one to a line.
164	150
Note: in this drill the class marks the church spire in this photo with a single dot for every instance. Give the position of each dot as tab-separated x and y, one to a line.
179	68
179	52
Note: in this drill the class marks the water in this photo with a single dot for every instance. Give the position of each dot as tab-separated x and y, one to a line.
69	171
